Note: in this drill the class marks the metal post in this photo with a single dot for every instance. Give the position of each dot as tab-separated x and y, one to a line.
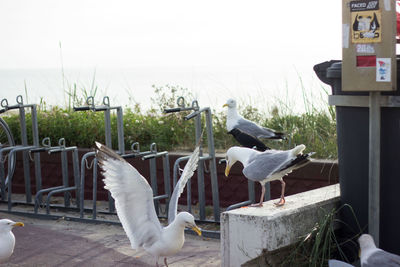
200	171
25	156
120	130
64	173
94	211
107	126
213	165
250	189
35	135
374	164
153	179
75	165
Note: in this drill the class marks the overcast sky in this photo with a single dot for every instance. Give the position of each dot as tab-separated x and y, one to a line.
265	46
168	33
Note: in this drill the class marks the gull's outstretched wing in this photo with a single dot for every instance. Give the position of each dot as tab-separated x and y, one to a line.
133	198
187	173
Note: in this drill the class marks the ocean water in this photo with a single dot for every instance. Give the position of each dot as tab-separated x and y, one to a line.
292	88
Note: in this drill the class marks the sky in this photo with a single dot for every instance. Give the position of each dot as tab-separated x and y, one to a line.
277	39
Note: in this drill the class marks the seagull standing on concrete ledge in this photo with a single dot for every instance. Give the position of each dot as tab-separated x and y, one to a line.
7	238
255	131
135	206
267	166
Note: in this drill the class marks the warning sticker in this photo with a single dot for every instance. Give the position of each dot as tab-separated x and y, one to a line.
366	22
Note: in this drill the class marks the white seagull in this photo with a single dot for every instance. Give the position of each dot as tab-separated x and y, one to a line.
236	121
7	238
373	256
267	166
135	207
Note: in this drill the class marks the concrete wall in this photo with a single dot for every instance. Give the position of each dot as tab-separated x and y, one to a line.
248	232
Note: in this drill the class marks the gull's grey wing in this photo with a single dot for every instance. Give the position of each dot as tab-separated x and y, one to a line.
381	258
133	198
336	263
262	165
187	173
255	129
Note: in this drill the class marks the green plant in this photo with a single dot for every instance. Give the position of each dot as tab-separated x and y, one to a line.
322	242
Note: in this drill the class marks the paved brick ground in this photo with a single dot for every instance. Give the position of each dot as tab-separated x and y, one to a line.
65	243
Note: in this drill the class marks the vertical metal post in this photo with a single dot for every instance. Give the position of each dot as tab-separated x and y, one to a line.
2	178
267	195
200	171
153	178
35	135
250	188
25	156
75	166
213	165
107	127
94	212
167	180
120	130
64	173
374	164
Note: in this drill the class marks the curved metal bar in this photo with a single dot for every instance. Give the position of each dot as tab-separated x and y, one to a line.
82	191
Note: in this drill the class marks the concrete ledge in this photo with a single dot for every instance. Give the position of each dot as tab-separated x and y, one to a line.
247	232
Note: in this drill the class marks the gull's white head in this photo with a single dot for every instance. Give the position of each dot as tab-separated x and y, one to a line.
231	103
366	242
7	225
187	220
231	158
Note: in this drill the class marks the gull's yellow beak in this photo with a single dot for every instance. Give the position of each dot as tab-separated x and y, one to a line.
197	230
227	170
225	105
359	253
18	224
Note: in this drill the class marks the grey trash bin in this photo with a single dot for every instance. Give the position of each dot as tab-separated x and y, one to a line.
353	141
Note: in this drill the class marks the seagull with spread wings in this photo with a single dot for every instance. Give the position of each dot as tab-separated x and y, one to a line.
135	207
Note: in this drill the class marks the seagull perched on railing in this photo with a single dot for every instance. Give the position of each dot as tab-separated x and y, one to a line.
7	238
135	206
267	166
252	129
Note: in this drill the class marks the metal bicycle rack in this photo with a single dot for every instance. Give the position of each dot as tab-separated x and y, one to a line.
106	108
196	114
150	155
65	188
25	148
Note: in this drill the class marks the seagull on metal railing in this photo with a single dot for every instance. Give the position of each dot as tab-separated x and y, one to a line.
135	206
246	132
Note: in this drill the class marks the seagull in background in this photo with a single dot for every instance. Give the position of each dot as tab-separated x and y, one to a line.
135	206
7	238
236	121
267	166
371	256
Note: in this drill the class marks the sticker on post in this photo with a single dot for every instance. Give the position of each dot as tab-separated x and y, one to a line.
366	21
383	69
